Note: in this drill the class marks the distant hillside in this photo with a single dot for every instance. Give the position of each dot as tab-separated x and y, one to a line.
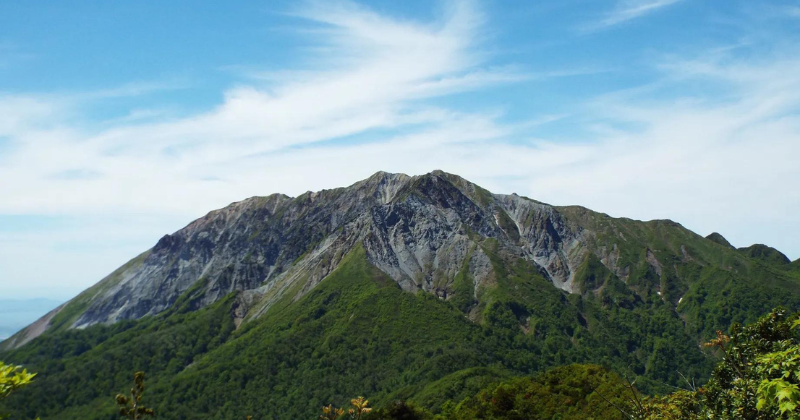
765	253
396	287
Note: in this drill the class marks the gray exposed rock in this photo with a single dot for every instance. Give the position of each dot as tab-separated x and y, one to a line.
419	230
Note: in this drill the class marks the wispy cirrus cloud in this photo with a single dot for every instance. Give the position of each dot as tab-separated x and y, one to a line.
374	73
11	53
627	10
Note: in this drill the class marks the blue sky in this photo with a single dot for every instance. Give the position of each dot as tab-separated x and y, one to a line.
120	122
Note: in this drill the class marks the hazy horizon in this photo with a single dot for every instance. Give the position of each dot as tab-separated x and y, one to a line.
16	314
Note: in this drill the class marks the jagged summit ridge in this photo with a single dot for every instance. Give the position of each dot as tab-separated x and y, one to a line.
418	229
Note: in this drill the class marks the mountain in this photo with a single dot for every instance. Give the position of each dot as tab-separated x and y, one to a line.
718	238
419	287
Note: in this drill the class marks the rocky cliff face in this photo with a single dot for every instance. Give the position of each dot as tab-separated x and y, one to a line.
423	231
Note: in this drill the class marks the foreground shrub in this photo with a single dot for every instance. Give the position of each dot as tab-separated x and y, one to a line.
757	378
133	408
12	378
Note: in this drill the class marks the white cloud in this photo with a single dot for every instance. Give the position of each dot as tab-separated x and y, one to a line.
390	66
19	113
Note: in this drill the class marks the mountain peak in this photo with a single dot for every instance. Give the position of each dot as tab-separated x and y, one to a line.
765	253
718	238
383	186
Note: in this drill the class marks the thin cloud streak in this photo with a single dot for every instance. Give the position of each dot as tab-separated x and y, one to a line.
627	10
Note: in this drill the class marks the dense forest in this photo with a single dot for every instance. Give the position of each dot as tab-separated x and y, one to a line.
355	334
756	378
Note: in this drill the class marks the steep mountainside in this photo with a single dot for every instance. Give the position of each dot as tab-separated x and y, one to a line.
394	287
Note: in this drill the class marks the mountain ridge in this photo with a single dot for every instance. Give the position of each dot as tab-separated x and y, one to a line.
418	229
395	287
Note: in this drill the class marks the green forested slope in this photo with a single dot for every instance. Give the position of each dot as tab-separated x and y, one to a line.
79	371
357	333
709	283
